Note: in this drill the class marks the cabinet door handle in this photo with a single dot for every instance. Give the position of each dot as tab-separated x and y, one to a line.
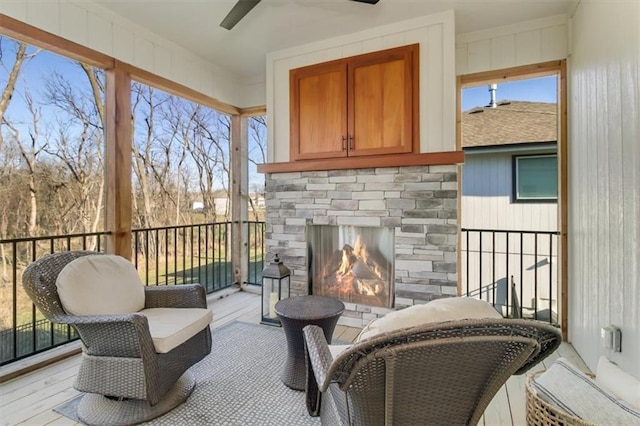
350	141
344	143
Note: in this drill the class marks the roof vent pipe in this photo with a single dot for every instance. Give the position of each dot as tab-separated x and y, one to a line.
493	89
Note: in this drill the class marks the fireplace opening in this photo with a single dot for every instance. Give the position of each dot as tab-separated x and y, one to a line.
352	263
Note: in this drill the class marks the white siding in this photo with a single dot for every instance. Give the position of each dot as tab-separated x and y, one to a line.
604	180
524	43
486	198
93	26
435	33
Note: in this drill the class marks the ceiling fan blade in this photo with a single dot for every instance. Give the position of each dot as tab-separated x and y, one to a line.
240	9
367	1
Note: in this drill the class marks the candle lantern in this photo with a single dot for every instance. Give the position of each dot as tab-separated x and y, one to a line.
275	286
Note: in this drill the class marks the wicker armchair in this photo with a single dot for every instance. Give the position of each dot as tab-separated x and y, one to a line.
442	373
126	380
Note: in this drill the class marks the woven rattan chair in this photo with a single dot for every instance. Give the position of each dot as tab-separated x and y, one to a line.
125	380
435	374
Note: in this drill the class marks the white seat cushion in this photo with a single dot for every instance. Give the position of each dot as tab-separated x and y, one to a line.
617	381
170	327
566	387
101	284
439	310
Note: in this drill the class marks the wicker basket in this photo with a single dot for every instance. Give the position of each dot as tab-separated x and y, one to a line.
541	413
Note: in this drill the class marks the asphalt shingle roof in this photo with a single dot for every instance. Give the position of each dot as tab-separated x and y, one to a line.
510	122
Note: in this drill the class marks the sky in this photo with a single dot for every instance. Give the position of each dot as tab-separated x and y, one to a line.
35	71
542	89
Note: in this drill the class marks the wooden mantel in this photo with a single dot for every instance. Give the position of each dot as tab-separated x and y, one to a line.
399	160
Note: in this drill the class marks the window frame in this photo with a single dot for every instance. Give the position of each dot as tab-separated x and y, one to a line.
515	198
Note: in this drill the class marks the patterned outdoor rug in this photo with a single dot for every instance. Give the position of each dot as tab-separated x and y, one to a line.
238	383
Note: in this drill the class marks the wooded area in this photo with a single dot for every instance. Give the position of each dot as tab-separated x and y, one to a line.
52	150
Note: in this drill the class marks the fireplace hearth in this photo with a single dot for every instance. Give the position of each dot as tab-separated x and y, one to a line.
352	263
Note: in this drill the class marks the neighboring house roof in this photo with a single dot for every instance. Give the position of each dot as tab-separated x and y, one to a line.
510	122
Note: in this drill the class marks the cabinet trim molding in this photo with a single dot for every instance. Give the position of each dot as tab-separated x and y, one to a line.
365	162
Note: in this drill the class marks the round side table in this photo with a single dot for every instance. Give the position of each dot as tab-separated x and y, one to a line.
296	313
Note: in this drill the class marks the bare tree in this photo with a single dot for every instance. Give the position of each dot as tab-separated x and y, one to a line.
80	150
210	153
7	93
29	151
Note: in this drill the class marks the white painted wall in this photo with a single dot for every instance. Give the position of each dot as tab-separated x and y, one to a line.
93	26
604	179
435	33
521	43
486	197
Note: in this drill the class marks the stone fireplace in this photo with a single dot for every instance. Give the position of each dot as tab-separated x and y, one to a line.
417	205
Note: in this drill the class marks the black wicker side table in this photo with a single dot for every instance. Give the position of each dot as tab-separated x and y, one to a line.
295	313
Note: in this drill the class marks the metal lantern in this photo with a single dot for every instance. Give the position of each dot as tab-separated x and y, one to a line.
275	286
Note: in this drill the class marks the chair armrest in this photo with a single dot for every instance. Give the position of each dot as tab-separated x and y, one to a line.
175	296
319	355
123	335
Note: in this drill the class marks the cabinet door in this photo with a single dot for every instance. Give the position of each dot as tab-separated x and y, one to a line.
381	102
319	111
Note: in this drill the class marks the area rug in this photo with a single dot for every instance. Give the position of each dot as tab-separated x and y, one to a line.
238	383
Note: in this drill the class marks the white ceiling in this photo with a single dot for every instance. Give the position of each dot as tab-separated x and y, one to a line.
278	24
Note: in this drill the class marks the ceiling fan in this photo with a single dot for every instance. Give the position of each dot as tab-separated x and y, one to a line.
242	7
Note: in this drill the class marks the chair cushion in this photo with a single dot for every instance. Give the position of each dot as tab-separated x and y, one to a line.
439	310
101	284
566	387
170	327
617	381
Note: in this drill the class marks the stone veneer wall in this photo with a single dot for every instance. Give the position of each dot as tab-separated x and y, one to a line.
420	202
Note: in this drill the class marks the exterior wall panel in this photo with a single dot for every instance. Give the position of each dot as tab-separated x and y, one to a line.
604	166
524	43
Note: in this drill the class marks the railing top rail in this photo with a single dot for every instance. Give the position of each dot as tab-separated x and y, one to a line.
54	237
510	231
192	225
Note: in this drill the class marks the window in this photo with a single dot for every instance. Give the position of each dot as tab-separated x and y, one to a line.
535	178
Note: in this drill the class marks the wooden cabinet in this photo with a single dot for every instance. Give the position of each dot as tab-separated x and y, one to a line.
364	105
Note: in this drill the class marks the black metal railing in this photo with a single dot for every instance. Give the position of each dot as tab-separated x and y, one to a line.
255	241
170	255
184	254
23	329
514	270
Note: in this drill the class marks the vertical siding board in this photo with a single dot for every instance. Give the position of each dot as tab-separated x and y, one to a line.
479	56
630	175
100	34
614	189
352	49
393	40
73	23
528	47
503	51
162	63
433	94
123	44
44	15
461	59
280	121
554	43
15	9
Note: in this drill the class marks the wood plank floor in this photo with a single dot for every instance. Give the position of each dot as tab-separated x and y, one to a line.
30	398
